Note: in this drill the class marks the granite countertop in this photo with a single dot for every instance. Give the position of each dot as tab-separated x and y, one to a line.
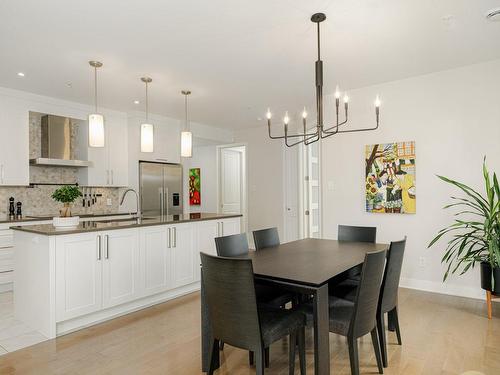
94	226
6	220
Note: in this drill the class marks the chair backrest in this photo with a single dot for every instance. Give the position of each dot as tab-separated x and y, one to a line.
232	246
392	274
366	303
266	238
230	294
357	234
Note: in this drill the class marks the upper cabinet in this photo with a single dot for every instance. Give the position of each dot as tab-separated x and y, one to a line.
14	141
166	144
110	167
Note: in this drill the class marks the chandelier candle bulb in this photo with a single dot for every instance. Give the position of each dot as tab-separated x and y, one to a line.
268	114
337	92
304	113
286	119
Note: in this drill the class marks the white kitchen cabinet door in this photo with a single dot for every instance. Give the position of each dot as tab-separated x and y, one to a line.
120	262
231	226
117	137
207	232
78	275
155	258
182	249
14	143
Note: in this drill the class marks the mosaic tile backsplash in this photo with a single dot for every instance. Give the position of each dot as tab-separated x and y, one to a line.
37	200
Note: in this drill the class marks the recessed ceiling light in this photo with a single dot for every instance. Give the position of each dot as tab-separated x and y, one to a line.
20	74
136	102
493	15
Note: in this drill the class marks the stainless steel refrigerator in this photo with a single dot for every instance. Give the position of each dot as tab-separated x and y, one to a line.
160	188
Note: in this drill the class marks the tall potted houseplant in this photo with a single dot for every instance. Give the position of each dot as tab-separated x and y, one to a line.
474	236
67	196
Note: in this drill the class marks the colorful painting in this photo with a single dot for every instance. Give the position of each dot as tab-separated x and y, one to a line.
390	178
194	187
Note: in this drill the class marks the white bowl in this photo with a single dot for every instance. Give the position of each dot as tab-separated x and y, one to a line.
66	222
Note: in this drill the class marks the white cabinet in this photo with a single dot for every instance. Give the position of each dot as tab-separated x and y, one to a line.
78	275
120	274
110	163
155	259
182	247
166	139
230	226
14	142
95	270
207	232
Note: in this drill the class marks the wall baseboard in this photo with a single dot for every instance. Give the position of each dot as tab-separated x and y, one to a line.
442	288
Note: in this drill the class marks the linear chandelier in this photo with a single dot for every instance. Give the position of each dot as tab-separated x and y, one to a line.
319	131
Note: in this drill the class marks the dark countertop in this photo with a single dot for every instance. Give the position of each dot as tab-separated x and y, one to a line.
6	220
94	226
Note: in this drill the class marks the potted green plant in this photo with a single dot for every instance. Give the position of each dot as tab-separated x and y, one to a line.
475	233
66	195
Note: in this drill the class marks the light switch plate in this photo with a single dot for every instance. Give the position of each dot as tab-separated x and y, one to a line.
109	202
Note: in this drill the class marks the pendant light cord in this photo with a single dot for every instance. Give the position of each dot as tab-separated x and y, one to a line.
147	103
186	112
95	88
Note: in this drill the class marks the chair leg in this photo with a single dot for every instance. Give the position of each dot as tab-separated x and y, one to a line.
382	339
396	323
488	303
291	352
213	354
301	340
221	346
266	357
391	325
251	358
259	361
376	348
353	355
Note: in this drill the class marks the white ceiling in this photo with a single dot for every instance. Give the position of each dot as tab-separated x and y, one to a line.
238	57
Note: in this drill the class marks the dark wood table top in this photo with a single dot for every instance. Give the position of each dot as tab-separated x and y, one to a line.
310	261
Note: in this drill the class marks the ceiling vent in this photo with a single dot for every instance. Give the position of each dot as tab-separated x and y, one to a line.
493	15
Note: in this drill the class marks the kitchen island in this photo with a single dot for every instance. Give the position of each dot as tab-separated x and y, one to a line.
67	279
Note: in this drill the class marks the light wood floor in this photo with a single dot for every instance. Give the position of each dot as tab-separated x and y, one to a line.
441	335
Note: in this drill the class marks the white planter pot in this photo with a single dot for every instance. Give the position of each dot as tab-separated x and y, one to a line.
66	222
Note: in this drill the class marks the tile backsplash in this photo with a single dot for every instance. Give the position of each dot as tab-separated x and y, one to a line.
37	200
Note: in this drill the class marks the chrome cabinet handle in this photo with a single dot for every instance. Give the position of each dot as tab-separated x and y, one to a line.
112	178
107	246
169	244
99	247
222	227
107	176
175	236
218	229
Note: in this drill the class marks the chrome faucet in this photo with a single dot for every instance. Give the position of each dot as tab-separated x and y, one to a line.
137	200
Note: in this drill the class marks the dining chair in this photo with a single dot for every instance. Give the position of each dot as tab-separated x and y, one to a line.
237	319
388	300
237	245
352	233
266	238
355	319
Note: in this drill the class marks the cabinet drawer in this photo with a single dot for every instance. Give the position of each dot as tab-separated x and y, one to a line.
6	277
6	260
6	238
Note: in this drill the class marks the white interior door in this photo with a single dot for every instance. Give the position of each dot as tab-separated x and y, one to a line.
292	229
230	181
312	190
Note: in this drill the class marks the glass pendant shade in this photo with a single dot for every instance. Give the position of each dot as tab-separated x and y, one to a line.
186	144
147	138
96	130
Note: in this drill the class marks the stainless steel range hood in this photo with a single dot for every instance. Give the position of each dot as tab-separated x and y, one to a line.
56	144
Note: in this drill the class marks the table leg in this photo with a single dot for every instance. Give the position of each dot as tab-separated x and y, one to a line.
206	334
321	332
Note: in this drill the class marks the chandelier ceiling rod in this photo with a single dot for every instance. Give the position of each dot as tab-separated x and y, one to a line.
318	131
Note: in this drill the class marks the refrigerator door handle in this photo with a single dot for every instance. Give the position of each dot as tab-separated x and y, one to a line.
165	200
161	202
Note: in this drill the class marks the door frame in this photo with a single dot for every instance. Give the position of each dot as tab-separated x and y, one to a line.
244	181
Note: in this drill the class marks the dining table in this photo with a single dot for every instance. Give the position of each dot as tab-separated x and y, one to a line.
305	266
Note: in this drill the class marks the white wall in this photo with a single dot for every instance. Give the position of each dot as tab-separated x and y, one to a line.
265	179
454	117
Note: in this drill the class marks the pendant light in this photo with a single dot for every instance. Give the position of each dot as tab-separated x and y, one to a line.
96	120
147	129
186	135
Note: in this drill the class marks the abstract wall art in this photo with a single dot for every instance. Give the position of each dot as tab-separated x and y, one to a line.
194	187
390	178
